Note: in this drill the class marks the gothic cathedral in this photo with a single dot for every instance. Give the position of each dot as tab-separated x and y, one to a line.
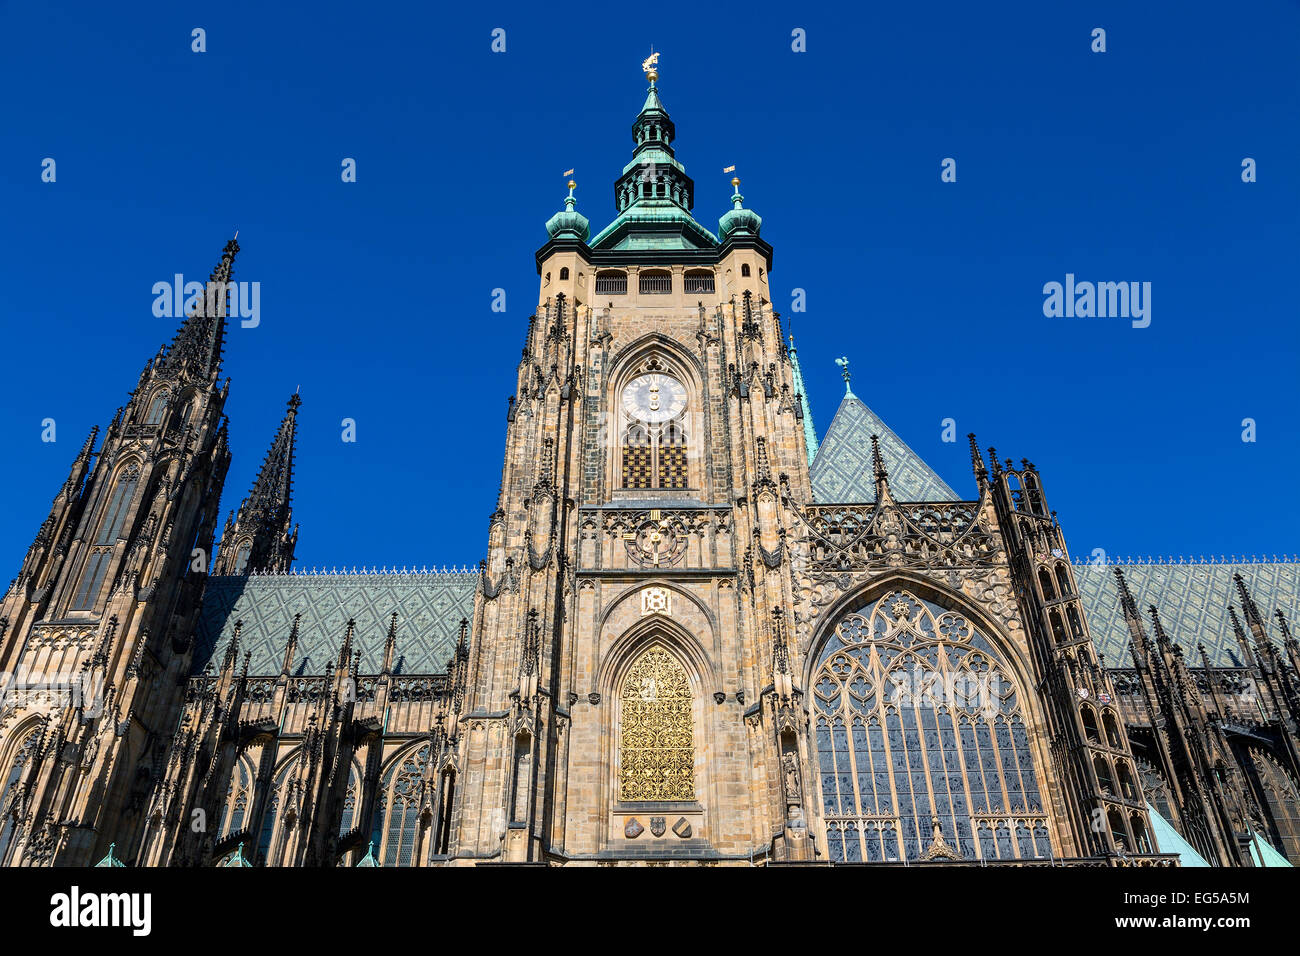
699	636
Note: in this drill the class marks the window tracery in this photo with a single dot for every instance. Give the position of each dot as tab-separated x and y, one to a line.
400	810
1281	799
267	849
9	791
239	796
101	552
920	725
657	738
157	407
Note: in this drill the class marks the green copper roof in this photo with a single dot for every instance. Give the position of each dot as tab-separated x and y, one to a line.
110	859
809	430
739	221
1263	854
429	606
237	858
688	233
369	859
653	194
842	471
1193	601
569	224
1169	840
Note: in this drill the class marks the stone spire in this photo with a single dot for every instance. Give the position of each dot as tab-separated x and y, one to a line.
259	537
198	343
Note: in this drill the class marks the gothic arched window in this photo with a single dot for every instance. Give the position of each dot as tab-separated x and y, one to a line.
101	552
921	732
267	851
656	735
654	441
239	798
403	791
157	408
351	802
1154	788
119	503
1280	801
9	791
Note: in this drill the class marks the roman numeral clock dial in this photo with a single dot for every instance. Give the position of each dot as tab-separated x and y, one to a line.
654	398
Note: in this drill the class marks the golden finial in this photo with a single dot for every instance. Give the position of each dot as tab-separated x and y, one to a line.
650	66
572	184
735	180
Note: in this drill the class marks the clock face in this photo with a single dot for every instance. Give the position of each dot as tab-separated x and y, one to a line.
654	398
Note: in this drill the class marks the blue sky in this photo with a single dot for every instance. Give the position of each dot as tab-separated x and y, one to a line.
376	295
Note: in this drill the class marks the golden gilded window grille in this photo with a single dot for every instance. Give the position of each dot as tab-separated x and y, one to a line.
655	457
637	458
657	740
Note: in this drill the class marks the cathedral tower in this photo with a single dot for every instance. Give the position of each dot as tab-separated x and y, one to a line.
637	566
98	624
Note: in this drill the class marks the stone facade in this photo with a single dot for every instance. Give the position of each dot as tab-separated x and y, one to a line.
676	649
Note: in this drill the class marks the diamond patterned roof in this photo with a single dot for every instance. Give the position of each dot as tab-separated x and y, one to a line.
1193	603
842	471
429	607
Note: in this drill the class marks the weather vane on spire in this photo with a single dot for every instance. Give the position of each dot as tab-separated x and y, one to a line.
843	363
650	65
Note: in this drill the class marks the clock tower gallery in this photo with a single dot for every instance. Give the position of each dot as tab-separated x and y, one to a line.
636	580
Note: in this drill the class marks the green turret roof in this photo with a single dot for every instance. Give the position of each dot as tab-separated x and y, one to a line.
653	195
739	221
569	224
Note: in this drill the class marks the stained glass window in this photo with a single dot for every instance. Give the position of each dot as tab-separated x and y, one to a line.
267	851
9	791
239	796
1281	801
919	725
156	408
110	529
403	789
657	754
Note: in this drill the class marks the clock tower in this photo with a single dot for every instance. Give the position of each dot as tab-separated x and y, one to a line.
630	619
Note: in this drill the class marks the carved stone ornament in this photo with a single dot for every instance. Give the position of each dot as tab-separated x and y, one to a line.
656	600
633	829
658	825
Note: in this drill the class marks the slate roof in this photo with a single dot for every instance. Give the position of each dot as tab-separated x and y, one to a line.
842	472
1193	603
430	606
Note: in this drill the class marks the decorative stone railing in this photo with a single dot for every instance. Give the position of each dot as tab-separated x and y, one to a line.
656	539
925	534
